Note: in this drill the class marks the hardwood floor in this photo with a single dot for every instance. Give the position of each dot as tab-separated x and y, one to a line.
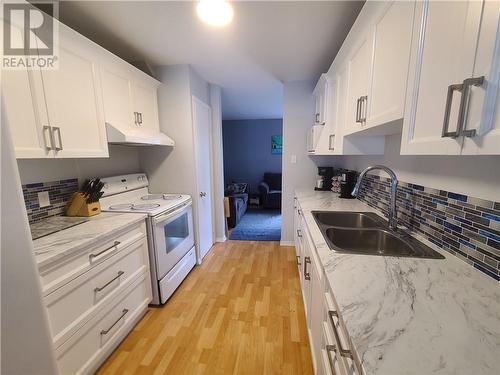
240	312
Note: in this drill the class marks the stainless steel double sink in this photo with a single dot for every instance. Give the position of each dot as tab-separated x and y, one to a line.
367	233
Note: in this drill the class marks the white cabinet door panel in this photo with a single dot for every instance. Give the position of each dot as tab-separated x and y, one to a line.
442	55
357	85
74	102
117	98
145	103
391	54
26	112
484	101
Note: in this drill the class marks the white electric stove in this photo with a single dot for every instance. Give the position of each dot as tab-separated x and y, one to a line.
172	252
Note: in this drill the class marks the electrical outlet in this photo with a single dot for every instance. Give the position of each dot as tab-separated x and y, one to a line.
43	199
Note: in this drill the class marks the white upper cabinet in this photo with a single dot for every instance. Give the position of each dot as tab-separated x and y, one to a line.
29	127
130	97
73	99
146	105
117	96
358	66
391	53
450	107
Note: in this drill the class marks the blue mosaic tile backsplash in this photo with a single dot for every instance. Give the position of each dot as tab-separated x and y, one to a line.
466	227
59	194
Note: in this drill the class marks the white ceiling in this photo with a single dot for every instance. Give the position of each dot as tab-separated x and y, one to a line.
266	44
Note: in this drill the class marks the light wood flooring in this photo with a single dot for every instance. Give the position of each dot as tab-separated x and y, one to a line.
240	312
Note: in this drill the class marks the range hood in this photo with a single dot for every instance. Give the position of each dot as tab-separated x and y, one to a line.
136	137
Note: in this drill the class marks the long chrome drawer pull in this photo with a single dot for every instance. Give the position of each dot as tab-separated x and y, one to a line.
464	106
98	289
299	233
307	275
298	260
106	331
343	352
329	350
447	109
115	244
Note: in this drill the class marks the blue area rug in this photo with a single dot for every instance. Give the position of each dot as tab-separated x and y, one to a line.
258	225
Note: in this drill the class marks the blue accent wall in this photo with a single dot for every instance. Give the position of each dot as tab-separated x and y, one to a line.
247	150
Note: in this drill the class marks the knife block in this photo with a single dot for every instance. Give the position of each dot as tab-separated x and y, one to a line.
78	206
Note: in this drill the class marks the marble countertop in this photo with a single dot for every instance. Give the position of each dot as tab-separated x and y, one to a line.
57	245
409	315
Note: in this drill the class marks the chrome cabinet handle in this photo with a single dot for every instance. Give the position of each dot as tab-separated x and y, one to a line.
343	352
299	233
316	118
140	118
106	331
135	118
329	350
447	109
364	100
203	194
98	289
464	105
307	275
58	130
331	147
298	260
115	244
51	138
357	109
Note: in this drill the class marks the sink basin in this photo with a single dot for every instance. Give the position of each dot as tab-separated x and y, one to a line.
367	233
347	219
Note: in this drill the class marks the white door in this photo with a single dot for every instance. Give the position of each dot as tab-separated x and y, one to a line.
442	55
202	135
484	101
74	101
29	125
358	80
391	56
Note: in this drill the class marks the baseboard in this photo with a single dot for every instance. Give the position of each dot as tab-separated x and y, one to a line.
287	243
219	239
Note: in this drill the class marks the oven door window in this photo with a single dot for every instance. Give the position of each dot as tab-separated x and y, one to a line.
175	232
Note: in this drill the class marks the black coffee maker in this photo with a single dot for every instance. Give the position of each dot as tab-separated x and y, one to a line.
324	182
347	183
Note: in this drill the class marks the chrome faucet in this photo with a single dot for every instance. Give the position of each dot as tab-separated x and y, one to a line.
393	217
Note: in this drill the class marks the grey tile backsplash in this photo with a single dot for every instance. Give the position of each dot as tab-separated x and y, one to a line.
59	194
466	227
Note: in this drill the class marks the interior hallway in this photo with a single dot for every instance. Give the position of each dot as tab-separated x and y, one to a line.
240	312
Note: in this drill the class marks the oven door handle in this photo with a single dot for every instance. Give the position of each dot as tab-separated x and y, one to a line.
170	214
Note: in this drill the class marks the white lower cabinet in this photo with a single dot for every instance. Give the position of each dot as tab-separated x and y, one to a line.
331	347
95	297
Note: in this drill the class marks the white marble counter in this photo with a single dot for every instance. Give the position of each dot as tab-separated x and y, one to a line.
409	315
54	246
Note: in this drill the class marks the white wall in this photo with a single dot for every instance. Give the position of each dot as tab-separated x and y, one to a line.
298	110
477	176
122	160
25	336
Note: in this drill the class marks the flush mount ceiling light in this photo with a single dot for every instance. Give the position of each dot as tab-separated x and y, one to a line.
215	12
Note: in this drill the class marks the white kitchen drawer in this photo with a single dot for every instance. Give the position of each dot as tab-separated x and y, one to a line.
72	305
330	361
83	352
334	322
70	267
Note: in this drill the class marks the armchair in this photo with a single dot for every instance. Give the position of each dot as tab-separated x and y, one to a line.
270	190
